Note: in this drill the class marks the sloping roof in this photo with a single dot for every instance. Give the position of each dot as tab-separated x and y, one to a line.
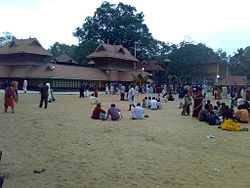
57	71
64	58
149	65
112	51
30	46
128	75
233	80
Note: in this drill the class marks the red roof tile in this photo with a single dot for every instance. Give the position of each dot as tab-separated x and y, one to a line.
64	58
149	65
30	46
233	80
112	51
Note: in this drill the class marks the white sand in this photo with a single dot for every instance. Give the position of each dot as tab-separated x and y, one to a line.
166	150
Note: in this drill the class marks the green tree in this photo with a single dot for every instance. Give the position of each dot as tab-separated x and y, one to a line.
120	24
5	37
240	62
186	60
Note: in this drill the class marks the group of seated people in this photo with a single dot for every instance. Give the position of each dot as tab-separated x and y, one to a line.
114	113
224	116
151	103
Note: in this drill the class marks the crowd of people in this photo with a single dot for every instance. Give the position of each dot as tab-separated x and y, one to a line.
227	117
222	115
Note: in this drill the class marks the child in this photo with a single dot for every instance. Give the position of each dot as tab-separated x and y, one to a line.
144	102
186	105
149	102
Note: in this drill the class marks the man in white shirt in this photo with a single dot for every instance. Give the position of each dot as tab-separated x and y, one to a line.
25	85
131	97
122	92
138	112
153	104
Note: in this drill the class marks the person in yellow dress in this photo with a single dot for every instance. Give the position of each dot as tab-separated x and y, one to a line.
231	124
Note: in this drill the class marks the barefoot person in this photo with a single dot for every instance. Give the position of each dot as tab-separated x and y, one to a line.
44	91
114	113
138	112
98	113
197	103
131	97
9	98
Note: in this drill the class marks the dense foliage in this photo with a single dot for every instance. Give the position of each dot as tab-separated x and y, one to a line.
5	37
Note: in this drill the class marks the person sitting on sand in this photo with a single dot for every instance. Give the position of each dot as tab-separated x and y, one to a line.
138	112
98	113
230	124
213	119
242	115
93	100
144	102
203	114
153	104
114	113
159	105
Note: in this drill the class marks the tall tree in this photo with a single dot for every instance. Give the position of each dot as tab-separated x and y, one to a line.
120	24
5	37
240	62
186	60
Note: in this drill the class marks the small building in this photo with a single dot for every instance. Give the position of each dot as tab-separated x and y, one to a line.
23	59
214	70
155	71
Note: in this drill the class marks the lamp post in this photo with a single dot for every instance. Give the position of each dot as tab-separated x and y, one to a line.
217	78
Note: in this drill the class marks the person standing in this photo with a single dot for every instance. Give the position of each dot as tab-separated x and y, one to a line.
198	97
96	91
9	98
15	86
122	92
25	85
131	97
49	92
44	91
82	86
106	88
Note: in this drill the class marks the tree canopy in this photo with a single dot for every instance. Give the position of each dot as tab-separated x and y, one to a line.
120	24
5	37
186	60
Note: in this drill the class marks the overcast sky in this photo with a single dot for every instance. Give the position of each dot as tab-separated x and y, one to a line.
217	23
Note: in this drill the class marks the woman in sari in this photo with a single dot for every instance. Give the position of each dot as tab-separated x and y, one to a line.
198	97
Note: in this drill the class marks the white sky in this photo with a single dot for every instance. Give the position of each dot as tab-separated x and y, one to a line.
217	23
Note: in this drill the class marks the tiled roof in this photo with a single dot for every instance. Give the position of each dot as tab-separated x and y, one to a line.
64	58
30	46
112	51
56	71
149	65
233	80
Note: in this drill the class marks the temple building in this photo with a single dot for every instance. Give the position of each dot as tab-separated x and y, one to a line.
22	59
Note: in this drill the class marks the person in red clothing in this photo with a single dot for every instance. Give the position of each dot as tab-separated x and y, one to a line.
158	91
96	91
99	113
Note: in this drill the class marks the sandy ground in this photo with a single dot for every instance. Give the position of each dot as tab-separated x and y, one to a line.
165	150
